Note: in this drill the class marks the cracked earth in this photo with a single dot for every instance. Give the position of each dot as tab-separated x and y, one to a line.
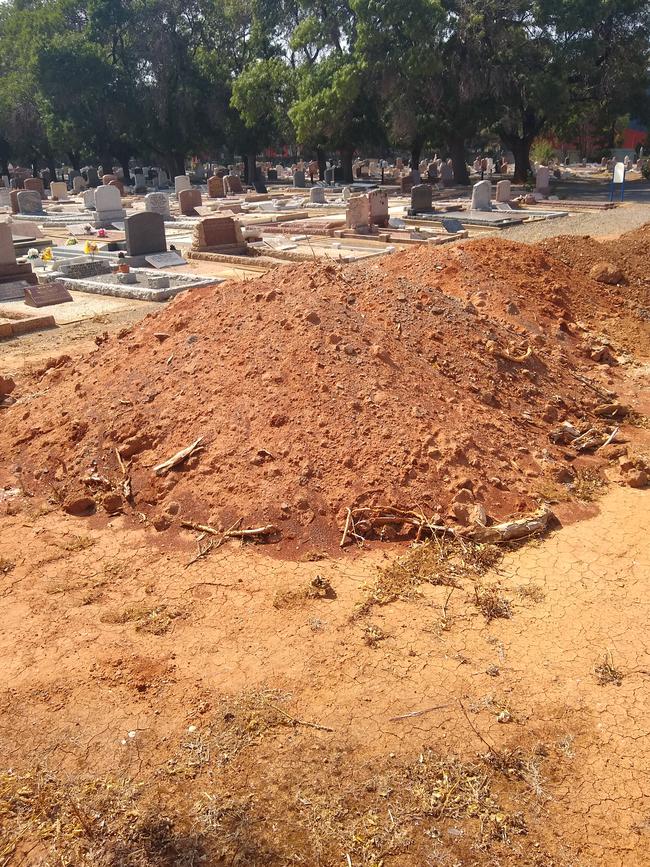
117	654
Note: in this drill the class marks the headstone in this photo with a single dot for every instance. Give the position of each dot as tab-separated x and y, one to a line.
89	200
5	198
188	200
357	214
118	184
145	234
47	294
406	183
29	201
157	203
259	183
78	184
73	173
232	185
140	184
299	179
446	175
165	260
181	182
35	184
163	179
542	180
481	197
59	190
504	191
215	187
108	205
13	199
218	233
317	195
272	174
452	225
378	206
421	198
7	252
93	177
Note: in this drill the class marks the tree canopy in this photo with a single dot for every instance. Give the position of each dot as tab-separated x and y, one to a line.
166	80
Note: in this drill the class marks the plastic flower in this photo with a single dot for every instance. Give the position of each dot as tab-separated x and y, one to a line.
101	233
46	255
71	242
32	253
89	247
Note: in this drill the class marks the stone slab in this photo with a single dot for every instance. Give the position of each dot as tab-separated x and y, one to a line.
46	295
13	291
165	260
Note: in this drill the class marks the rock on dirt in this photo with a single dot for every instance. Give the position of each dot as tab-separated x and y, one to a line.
605	272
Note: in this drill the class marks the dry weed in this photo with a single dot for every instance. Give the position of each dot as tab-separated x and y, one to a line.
491	602
6	565
605	671
155	619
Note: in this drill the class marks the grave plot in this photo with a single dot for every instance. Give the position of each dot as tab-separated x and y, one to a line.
143	284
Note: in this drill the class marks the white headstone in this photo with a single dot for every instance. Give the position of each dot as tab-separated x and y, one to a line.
504	191
317	195
89	199
108	204
481	197
181	182
78	184
59	190
619	173
158	203
542	180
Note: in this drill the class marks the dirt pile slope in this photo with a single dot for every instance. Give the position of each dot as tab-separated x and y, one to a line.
315	389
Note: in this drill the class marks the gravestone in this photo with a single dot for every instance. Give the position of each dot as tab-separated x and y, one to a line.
78	184
59	190
188	200
108	205
232	185
317	195
272	174
13	199
89	200
218	233
5	198
35	184
215	187
118	185
163	179
30	202
481	197
357	213
181	182
259	183
446	175
378	207
157	203
140	184
421	198
406	183
10	272
73	173
47	294
92	176
452	225
107	178
504	191
145	233
542	180
299	179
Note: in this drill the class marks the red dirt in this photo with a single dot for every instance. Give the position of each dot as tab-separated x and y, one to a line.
317	388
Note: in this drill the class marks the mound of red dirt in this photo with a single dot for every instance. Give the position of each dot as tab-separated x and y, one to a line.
315	388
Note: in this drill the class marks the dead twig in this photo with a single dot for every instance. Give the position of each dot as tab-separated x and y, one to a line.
363	520
178	458
300	722
232	532
418	712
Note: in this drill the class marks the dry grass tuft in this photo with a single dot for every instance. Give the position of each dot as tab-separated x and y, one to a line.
318	588
437	562
605	671
6	565
588	485
491	602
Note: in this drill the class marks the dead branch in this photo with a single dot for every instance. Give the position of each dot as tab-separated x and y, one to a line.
364	519
299	722
232	532
178	458
509	531
417	712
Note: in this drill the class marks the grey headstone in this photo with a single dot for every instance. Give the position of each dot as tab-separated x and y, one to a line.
317	195
452	225
421	197
30	202
145	233
93	177
157	203
504	191
481	196
299	179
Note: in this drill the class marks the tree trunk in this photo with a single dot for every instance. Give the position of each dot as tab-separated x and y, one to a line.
4	162
52	167
416	153
457	153
176	163
124	162
251	168
75	161
346	158
520	147
322	163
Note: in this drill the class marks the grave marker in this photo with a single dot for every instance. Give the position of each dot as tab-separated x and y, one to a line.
232	184
181	182
215	187
46	295
157	203
188	200
421	198
35	184
504	191
145	234
481	197
30	201
59	190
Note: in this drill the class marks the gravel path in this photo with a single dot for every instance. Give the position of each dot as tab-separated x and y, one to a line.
614	222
